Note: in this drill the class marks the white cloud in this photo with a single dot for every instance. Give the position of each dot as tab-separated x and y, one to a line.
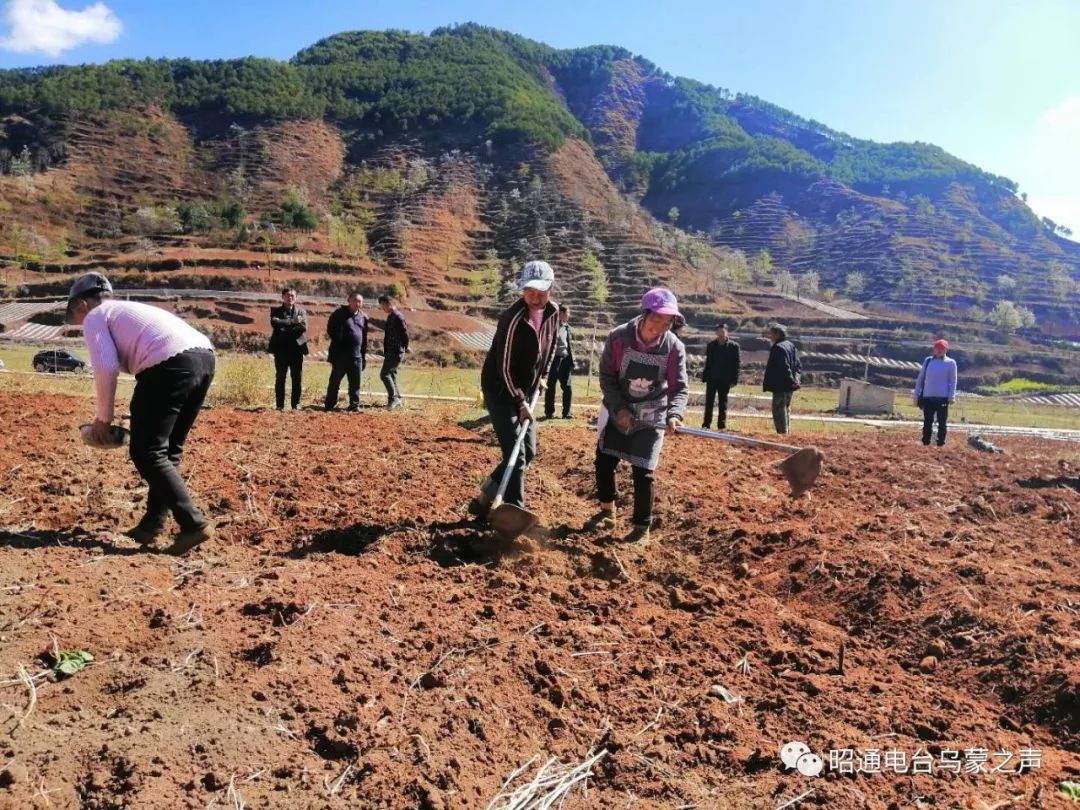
1062	209
1064	115
1046	163
42	26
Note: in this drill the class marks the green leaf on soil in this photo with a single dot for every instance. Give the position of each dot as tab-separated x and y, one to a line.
69	662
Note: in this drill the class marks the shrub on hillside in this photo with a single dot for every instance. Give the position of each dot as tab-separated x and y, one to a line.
296	214
239	383
233	339
448	358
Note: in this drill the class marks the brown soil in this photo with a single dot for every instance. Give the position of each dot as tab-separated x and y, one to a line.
438	250
349	618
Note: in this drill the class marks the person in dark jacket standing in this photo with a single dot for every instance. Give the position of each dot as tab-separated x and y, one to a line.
722	360
516	363
935	391
347	328
288	345
395	344
562	367
782	376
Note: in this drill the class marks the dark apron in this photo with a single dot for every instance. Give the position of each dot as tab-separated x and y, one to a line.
643	380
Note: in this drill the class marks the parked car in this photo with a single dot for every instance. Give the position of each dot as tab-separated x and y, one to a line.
53	360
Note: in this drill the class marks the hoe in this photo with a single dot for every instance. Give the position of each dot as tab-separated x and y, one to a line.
800	469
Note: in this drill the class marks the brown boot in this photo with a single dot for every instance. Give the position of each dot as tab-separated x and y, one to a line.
143	535
186	541
604	520
639	535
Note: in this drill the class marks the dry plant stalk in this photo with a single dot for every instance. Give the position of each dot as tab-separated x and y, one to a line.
233	795
332	789
795	801
548	788
28	682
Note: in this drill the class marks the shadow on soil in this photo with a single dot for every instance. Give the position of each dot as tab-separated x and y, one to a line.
475	424
448	543
352	540
1047	483
76	538
465	542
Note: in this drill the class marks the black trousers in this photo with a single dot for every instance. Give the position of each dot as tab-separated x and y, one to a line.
606	491
718	392
561	369
292	364
934	408
166	402
504	419
388	375
350	367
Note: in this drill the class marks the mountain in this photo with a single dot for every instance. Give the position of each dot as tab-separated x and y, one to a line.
440	162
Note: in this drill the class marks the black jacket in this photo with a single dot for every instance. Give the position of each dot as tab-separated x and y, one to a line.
289	325
569	341
518	356
348	335
783	371
722	361
395	335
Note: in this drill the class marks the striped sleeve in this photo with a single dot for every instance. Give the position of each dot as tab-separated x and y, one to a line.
548	343
507	350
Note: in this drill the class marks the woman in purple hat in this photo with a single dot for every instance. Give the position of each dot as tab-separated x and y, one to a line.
645	389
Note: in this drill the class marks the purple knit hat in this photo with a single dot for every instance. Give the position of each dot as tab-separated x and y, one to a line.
661	301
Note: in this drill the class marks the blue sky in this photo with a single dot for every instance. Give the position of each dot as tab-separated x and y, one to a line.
995	82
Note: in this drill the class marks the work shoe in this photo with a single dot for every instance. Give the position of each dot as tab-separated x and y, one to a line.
604	519
187	540
144	535
639	535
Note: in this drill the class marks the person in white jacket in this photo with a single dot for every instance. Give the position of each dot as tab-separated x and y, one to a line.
173	366
935	391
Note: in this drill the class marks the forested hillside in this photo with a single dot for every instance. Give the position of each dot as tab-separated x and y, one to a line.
740	189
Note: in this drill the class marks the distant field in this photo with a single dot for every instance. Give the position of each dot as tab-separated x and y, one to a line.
1021	385
253	377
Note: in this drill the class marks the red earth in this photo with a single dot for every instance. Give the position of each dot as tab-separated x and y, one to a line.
350	640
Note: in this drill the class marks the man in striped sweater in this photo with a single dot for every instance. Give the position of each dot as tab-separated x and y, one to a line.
173	366
935	391
515	365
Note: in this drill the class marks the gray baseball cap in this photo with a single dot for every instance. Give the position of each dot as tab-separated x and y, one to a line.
88	284
536	275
